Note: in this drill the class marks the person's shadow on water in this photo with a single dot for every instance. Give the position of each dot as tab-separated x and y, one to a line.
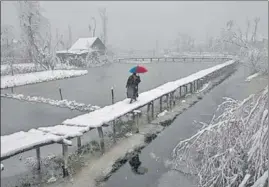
136	167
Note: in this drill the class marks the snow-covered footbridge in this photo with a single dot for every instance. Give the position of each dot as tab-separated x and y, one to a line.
20	142
181	58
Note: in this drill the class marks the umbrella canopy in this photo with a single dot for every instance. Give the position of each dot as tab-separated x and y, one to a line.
138	69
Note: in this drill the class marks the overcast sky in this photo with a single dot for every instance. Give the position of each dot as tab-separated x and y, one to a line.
139	24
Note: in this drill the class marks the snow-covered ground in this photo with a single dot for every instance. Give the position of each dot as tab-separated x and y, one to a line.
6	69
73	105
249	78
31	78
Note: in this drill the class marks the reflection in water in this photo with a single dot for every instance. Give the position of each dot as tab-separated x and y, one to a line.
135	164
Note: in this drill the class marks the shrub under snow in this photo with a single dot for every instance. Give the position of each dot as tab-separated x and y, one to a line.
232	149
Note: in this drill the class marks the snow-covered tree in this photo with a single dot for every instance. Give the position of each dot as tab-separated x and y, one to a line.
232	150
36	33
245	45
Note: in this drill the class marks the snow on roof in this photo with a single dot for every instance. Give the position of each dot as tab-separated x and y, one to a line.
83	44
112	112
65	131
21	141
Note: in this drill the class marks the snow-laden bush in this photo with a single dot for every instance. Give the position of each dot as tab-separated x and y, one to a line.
232	149
92	59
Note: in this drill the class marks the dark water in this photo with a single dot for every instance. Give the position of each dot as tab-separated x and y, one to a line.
158	174
94	88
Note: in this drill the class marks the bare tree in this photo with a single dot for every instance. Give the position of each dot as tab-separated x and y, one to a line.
70	42
94	26
248	51
36	33
104	18
256	22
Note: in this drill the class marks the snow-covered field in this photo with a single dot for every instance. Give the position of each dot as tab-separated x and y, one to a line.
73	105
6	69
37	77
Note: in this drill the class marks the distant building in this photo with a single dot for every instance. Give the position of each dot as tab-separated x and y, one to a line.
82	47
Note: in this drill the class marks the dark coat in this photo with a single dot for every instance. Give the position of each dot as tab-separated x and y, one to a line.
132	86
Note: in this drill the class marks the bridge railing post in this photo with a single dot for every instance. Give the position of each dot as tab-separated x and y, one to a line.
65	158
161	104
38	158
101	136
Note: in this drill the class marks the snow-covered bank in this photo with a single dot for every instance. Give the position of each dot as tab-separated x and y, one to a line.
7	69
249	78
37	77
73	105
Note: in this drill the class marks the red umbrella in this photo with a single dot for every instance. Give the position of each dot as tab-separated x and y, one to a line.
138	69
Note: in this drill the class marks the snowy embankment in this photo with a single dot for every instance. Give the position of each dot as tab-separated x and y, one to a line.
37	77
7	69
73	105
249	78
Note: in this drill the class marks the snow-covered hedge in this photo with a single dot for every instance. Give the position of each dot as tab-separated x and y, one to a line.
73	105
232	149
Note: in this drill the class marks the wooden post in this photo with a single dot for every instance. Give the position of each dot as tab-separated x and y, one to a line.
173	97
136	122
151	59
170	100
101	136
148	109
60	91
65	158
79	144
113	122
12	91
165	59
12	71
180	91
167	99
38	158
191	87
112	95
161	104
152	110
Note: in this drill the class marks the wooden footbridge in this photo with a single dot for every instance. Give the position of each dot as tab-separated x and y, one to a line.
174	59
